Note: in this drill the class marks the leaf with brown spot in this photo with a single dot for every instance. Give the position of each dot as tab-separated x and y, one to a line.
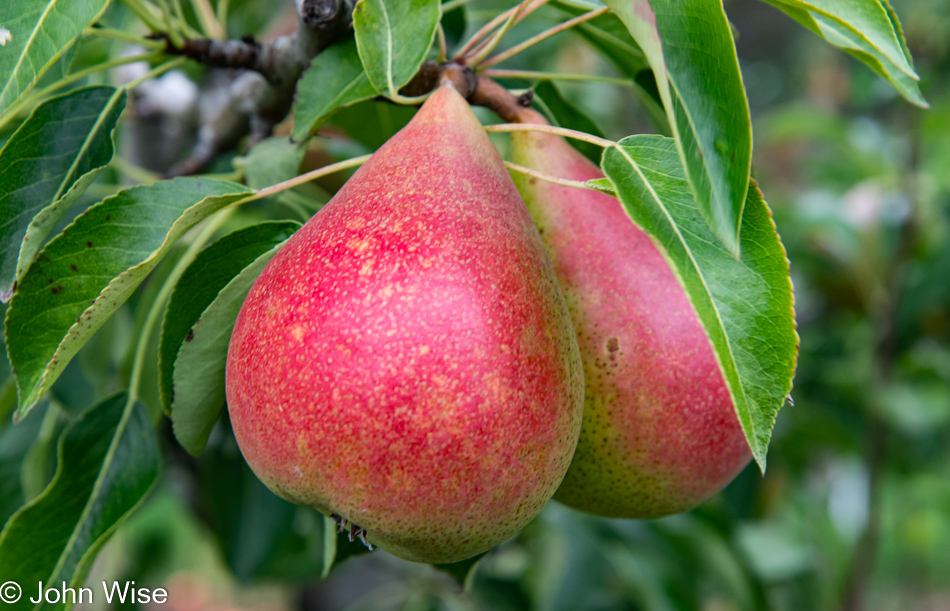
41	332
44	167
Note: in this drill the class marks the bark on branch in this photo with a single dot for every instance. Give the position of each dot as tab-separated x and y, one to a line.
258	91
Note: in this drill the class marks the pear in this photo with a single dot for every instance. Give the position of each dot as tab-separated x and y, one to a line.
660	432
406	363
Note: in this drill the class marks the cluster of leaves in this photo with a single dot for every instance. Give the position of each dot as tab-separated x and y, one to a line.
691	191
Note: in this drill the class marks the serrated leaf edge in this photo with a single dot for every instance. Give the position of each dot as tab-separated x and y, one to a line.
111	292
758	444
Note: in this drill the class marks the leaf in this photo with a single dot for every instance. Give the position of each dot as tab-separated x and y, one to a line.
463	572
271	161
745	305
40	31
335	78
373	122
566	115
609	35
198	378
15	442
248	519
454	23
45	165
393	37
199	285
867	29
84	274
108	461
39	462
689	46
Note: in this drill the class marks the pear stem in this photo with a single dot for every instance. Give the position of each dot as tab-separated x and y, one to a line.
486	48
299	180
443	47
136	173
530	75
579	184
491	25
550	129
120	35
156	72
542	36
210	25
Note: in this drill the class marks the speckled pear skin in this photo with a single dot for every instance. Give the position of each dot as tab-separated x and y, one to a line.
407	360
660	433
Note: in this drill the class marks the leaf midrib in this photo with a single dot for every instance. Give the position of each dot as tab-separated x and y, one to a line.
702	278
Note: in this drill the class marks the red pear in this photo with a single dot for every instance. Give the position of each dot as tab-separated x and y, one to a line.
660	432
407	360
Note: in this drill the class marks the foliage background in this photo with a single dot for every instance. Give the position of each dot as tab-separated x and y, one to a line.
854	511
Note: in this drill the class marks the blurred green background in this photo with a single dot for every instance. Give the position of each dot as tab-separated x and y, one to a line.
854	511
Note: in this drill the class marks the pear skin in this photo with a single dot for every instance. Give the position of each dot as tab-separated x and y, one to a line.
660	432
407	360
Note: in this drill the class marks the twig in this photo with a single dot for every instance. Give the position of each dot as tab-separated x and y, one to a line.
550	129
170	26
443	47
222	14
210	26
530	75
580	184
472	42
156	72
485	49
304	178
542	36
120	35
146	15
139	175
250	103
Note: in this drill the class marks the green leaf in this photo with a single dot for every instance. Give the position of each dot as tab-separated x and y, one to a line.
40	32
39	463
564	114
198	378
610	36
248	519
84	274
199	285
745	305
463	572
373	122
335	78
45	165
393	37
15	442
868	30
271	161
689	46
108	461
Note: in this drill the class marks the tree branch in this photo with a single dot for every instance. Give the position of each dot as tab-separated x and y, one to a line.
258	97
